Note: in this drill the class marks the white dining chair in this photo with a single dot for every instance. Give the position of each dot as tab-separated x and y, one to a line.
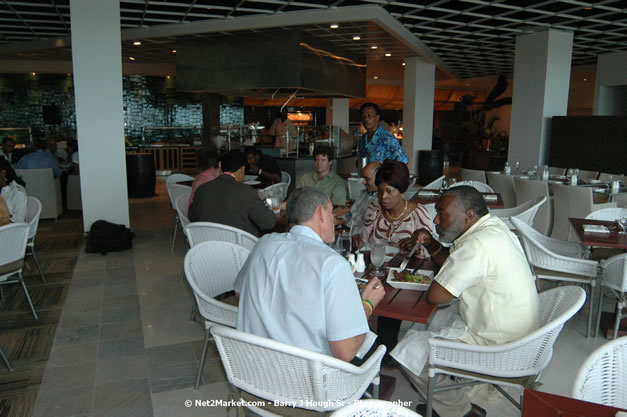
581	203
286	178
174	191
529	190
504	185
33	211
482	187
587	175
556	171
614	282
473	175
561	211
436	184
355	188
526	212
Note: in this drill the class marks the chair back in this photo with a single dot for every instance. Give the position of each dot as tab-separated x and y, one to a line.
197	232
556	171
504	185
277	371
615	272
41	183
436	184
286	178
175	190
607	177
601	378
33	211
561	211
211	269
280	187
473	175
13	238
172	179
531	189
482	187
374	408
525	212
355	188
609	214
587	175
182	205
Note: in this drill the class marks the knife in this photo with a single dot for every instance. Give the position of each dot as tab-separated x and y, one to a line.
406	260
419	266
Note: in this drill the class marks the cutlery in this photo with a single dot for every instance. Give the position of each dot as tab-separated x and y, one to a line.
406	260
419	266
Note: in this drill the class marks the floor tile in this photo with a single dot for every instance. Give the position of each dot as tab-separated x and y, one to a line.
120	348
73	354
123	399
64	403
117	370
67	336
112	303
172	403
121	315
121	330
69	377
170	355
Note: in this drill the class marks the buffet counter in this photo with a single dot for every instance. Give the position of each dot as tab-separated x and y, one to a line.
172	157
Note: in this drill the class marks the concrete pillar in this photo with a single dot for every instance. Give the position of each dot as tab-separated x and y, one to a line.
418	96
210	120
337	113
97	66
610	85
541	82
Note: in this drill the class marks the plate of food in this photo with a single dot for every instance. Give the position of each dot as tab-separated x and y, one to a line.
403	279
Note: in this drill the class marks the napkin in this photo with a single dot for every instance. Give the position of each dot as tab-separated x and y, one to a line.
490	197
595	228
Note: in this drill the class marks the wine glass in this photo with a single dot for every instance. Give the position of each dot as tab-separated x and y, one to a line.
377	257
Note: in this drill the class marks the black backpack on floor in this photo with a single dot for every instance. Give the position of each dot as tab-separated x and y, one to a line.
106	237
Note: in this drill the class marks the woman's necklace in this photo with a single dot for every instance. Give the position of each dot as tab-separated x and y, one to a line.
401	215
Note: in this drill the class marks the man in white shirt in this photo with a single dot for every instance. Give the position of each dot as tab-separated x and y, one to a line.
297	290
486	269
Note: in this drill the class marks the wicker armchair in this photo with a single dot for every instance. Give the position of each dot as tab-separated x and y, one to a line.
33	211
525	212
482	187
614	280
275	371
601	378
174	191
513	364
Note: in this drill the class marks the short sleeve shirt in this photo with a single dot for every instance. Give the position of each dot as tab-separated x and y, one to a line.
383	145
331	184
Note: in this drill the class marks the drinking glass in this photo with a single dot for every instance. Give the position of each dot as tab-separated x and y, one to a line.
443	185
377	257
346	243
451	182
275	204
623	223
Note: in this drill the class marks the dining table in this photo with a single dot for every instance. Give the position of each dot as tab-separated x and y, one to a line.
607	236
429	196
543	404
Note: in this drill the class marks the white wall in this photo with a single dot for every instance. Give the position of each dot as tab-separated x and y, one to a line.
96	57
611	73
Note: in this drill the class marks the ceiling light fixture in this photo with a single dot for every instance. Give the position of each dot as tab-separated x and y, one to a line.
132	58
137	43
33	73
173	51
388	54
375	77
374	47
356	38
334	26
585	79
404	64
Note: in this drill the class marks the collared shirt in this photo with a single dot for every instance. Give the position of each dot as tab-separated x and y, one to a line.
357	212
488	271
383	145
39	159
304	303
205	176
331	184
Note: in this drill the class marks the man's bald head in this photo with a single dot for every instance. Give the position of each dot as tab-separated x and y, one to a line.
369	172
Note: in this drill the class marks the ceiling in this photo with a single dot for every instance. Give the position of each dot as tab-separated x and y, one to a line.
465	39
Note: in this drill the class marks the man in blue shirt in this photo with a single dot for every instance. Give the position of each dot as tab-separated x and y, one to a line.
39	159
378	144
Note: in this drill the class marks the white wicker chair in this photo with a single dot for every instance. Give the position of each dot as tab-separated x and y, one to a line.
587	175
504	185
525	212
557	171
175	190
33	211
280	187
175	178
482	187
513	364
13	240
374	408
286	178
557	260
275	371
435	184
211	269
615	280
473	175
197	232
601	379
561	211
181	205
530	189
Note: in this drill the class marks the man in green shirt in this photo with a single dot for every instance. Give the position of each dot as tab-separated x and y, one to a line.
323	178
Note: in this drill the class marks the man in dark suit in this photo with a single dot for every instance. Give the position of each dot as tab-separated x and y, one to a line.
226	200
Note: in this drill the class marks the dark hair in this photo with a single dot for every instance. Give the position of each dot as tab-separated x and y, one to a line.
209	158
376	108
302	204
251	149
232	161
394	173
323	150
469	198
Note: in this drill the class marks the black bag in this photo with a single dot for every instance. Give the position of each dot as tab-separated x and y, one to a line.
106	237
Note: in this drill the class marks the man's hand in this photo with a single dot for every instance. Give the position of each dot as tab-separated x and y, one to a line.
422	236
373	292
406	244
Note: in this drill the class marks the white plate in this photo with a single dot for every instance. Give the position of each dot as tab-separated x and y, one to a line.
249	178
390	252
409	285
252	182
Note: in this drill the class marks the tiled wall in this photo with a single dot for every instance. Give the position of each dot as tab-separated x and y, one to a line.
148	102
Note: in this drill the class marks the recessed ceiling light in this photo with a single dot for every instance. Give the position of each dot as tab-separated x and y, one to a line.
137	43
585	79
374	47
168	77
132	58
467	85
33	73
356	38
334	26
375	77
388	54
173	51
404	64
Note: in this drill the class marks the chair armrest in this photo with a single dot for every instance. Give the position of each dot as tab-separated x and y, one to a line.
565	248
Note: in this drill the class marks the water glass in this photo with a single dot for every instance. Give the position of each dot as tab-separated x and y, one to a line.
451	182
345	243
377	257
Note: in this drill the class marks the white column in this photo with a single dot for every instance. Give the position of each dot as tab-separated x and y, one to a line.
96	59
541	82
418	96
337	113
610	85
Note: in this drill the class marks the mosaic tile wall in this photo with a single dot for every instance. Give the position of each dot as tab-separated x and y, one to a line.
148	102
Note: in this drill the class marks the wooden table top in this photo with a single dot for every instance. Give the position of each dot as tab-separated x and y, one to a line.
432	196
405	304
613	239
542	404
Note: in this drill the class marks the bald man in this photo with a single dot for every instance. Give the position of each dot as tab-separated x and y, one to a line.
358	209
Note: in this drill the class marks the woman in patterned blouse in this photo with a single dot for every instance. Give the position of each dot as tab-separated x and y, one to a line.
391	217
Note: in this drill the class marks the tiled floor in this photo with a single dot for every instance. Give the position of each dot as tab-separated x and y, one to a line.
125	345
